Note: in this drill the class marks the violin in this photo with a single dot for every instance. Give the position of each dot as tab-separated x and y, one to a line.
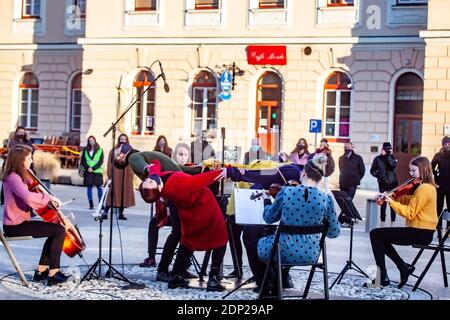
73	242
273	189
406	188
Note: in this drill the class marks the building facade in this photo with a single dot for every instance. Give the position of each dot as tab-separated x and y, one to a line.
358	66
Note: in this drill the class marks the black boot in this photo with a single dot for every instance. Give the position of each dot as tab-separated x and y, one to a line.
58	278
405	271
214	281
177	281
91	204
286	279
384	280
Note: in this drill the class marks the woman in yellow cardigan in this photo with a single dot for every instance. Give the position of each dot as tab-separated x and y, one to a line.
419	210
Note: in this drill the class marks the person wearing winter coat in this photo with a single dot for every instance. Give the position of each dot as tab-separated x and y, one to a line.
383	168
324	148
441	172
352	170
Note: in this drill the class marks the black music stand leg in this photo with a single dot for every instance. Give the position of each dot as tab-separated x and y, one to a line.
234	257
249	280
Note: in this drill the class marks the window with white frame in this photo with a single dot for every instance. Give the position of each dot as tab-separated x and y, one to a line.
340	3
204	103
75	104
31	8
29	101
267	4
337	104
145	5
207	4
143	115
412	2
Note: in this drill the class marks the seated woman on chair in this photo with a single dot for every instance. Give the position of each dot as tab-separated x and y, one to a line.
303	205
17	215
419	210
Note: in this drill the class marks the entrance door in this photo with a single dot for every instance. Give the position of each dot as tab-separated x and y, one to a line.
268	112
407	121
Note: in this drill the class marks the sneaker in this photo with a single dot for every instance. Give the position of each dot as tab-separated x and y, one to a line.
148	263
187	275
58	278
214	284
177	281
163	276
40	276
122	217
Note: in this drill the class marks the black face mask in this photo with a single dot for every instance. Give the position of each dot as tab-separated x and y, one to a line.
348	151
20	136
301	147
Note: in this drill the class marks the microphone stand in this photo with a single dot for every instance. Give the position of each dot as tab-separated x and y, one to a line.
112	272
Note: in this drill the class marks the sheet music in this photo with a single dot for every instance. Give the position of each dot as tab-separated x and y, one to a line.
248	211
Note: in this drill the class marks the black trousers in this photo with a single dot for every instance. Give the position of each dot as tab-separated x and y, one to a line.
184	255
383	239
172	240
350	191
384	205
441	196
236	230
51	253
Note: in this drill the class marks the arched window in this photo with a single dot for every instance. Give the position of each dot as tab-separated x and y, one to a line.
144	110
407	121
268	111
337	100
75	104
29	101
204	103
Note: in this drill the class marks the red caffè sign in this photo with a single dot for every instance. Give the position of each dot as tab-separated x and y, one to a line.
266	55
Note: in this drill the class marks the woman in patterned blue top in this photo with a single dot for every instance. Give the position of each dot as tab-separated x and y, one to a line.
303	205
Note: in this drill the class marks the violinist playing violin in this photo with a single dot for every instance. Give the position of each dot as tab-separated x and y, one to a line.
417	204
17	215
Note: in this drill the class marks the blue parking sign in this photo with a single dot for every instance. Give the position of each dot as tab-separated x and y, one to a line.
315	125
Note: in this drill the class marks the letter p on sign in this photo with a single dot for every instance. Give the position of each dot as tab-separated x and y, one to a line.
315	125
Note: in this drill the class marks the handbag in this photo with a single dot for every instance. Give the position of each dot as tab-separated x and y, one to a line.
81	171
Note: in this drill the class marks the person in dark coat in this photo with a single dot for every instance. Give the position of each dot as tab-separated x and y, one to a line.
123	181
201	149
352	170
162	146
383	168
92	161
441	172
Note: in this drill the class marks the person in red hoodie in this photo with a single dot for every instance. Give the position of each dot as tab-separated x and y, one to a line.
202	222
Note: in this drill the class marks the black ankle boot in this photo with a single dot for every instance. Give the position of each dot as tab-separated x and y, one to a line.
91	204
214	283
58	278
40	276
177	281
405	271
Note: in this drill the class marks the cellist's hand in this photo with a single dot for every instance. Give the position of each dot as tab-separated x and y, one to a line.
55	201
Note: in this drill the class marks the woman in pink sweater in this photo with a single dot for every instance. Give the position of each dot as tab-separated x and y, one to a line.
17	215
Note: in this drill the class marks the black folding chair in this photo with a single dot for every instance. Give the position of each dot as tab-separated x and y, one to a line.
438	247
320	263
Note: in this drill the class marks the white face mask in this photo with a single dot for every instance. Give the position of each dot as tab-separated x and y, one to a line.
181	156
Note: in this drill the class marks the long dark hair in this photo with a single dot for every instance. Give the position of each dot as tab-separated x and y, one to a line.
118	139
16	159
296	149
21	128
96	145
166	147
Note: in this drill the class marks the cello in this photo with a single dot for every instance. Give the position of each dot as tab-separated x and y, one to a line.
73	242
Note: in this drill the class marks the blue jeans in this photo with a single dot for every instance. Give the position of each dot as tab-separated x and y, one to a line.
99	193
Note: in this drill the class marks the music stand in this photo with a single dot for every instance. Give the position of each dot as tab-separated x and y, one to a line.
347	206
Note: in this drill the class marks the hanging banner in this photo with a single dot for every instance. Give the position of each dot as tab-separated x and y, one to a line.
261	55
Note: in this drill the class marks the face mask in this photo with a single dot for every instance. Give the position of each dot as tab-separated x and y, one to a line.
347	151
300	146
388	152
255	147
447	148
122	141
161	144
92	143
20	136
156	178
